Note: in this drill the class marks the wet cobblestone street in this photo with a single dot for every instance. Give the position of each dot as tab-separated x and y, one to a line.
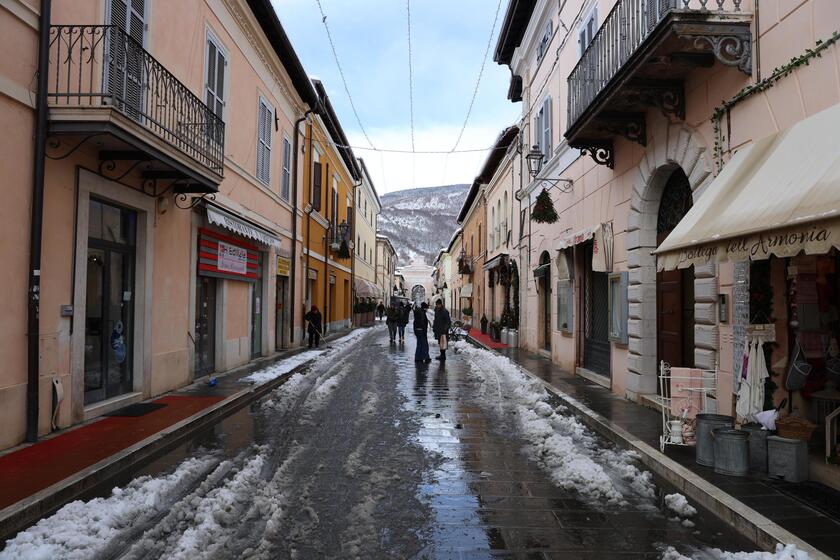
369	455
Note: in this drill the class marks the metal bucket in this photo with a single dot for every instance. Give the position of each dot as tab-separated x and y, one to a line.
732	451
705	444
758	447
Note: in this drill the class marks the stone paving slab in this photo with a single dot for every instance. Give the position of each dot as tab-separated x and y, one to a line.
757	510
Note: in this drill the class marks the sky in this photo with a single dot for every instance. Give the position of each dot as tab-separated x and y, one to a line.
448	42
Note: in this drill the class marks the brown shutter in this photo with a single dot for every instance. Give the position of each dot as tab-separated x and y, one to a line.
316	187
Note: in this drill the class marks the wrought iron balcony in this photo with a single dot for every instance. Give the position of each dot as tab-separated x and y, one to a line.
639	58
96	70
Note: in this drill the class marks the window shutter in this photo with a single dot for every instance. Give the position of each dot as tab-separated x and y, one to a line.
316	186
547	128
264	143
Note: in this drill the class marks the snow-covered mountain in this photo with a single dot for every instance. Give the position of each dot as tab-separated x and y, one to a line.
420	222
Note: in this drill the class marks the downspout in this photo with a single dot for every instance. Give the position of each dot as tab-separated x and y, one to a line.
353	253
293	271
33	321
308	234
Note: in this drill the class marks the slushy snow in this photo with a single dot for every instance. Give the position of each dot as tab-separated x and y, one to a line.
783	552
559	443
80	529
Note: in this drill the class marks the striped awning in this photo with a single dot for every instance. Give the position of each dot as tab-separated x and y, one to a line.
222	218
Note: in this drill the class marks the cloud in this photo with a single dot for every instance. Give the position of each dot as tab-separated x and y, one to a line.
396	171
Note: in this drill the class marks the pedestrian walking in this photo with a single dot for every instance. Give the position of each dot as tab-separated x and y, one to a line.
421	331
391	320
440	328
402	319
314	329
380	310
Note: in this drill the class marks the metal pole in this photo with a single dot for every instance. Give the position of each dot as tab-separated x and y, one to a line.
33	325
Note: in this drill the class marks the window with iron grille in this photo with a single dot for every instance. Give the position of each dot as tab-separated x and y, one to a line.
264	142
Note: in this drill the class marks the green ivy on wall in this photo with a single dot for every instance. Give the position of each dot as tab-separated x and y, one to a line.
763	85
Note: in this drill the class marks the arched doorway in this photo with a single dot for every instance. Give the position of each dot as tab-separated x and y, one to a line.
545	299
675	146
674	288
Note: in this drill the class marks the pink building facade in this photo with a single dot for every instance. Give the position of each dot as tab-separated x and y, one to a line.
635	122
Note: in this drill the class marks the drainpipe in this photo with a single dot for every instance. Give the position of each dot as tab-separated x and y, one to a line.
308	233
293	271
352	217
33	321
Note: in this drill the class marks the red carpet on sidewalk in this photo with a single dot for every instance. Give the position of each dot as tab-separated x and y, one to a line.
486	340
31	469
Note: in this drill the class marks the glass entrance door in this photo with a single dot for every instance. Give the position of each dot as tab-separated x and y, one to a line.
205	325
109	315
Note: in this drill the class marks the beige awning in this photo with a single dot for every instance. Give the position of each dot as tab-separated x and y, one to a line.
366	288
602	251
779	196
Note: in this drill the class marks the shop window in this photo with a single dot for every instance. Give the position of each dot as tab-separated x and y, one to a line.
619	307
565	305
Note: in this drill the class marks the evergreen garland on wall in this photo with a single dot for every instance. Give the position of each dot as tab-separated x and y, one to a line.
763	85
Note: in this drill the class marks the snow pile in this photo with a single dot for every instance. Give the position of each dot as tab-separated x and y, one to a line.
562	445
679	505
783	552
282	367
80	529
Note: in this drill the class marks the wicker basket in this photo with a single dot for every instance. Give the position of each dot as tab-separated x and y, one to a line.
793	427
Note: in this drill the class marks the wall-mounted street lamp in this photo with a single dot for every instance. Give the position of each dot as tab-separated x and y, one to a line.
535	159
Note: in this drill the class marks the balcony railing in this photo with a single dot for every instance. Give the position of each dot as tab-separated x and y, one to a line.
102	66
624	30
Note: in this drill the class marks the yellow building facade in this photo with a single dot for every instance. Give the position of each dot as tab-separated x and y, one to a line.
331	177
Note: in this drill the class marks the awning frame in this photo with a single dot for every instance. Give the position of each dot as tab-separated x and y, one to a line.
229	221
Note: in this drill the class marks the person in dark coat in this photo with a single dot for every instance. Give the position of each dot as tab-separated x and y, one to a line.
380	310
391	320
314	328
440	328
421	331
402	319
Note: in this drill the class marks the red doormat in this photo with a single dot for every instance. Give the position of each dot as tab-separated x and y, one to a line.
31	469
486	340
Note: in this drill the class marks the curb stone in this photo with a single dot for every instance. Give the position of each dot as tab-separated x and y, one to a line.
763	532
22	514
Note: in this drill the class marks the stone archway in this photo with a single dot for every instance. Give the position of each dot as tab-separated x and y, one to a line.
672	146
418	294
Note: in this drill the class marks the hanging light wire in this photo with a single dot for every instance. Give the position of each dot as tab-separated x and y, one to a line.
480	75
410	73
341	73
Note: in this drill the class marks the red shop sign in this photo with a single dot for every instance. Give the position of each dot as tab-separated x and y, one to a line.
224	256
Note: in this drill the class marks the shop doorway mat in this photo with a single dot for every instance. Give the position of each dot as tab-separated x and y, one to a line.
137	409
822	498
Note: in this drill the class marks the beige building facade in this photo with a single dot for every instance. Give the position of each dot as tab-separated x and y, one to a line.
386	266
367	210
171	232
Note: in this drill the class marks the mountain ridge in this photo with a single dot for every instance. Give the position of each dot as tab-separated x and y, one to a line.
420	221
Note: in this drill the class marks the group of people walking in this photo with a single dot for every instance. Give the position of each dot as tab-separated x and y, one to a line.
397	316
